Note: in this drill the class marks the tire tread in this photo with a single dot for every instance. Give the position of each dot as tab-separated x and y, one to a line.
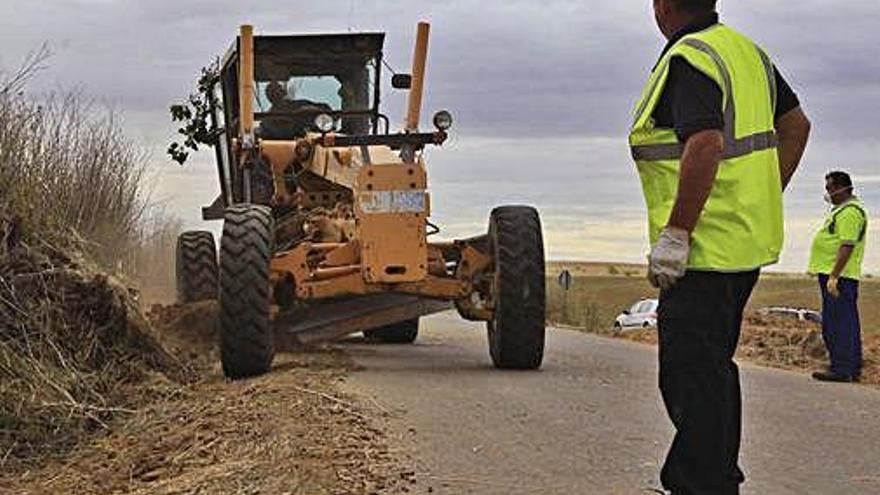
246	249
196	267
516	335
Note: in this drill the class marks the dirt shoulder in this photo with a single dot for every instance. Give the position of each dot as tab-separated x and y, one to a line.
291	431
780	343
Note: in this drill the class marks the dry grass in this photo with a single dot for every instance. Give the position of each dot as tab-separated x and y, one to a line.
72	341
290	431
606	296
72	208
77	356
594	301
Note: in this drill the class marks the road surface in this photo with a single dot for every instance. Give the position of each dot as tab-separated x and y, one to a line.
591	421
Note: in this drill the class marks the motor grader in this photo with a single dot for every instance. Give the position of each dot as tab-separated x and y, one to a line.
326	212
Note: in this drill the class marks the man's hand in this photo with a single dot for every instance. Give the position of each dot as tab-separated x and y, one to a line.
832	288
668	259
843	256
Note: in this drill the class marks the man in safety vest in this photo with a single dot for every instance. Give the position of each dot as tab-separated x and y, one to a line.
717	135
836	257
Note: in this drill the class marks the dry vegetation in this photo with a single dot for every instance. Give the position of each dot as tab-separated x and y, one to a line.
601	291
290	431
95	397
72	211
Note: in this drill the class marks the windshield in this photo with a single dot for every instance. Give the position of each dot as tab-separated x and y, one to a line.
291	90
316	90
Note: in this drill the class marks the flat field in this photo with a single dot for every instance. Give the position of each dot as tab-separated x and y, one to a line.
600	291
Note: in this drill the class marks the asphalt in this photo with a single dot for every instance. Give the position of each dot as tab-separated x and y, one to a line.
591	420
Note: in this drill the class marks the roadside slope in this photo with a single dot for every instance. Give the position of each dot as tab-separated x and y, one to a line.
291	431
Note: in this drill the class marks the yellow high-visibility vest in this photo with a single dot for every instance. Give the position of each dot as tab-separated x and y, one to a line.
845	224
741	227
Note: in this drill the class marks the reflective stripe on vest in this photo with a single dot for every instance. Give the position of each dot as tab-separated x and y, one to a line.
733	147
741	226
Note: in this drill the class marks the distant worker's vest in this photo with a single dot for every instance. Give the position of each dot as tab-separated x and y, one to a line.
829	239
741	227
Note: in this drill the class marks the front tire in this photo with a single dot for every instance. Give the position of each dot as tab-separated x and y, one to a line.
517	331
195	267
246	248
404	332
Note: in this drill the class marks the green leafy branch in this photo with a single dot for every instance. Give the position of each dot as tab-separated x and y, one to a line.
194	116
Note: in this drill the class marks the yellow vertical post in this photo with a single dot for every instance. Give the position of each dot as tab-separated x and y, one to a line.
420	56
246	84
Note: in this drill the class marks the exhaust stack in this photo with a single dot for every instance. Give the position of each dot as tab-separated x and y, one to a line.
420	56
246	85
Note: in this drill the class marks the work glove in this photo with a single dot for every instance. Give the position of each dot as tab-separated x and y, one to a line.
668	259
832	287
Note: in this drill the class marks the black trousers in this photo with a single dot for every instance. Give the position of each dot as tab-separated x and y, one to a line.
699	324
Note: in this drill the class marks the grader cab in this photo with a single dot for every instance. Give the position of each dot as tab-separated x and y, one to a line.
326	212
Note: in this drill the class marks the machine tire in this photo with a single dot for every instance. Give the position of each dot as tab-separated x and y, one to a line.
195	267
404	332
246	249
516	333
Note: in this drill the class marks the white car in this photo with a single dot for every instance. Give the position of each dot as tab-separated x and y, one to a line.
642	314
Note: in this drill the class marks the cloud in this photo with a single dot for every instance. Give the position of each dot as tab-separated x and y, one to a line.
514	68
542	93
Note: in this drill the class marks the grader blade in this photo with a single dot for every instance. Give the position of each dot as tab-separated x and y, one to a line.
332	320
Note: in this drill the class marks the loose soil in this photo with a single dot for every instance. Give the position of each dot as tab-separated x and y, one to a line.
786	344
290	431
601	291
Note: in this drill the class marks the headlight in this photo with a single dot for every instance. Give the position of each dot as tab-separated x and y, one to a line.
443	120
324	122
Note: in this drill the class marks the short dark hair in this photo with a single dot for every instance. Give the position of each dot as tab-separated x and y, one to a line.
696	6
839	178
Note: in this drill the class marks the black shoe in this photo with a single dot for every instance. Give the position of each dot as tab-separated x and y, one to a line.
830	376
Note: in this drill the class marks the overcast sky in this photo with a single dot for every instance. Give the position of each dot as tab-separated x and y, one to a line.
542	93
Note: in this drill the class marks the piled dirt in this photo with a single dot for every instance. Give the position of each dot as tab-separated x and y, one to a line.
290	431
782	342
75	351
189	331
785	343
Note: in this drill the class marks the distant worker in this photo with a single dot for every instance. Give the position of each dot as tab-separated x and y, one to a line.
836	258
718	134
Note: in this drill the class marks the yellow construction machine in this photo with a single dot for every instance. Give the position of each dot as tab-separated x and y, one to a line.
326	212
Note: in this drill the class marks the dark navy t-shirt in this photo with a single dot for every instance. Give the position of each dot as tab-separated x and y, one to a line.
692	101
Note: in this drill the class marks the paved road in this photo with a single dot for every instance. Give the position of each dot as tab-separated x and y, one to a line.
591	421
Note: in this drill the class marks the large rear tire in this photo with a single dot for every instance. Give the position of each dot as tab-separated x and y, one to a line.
196	267
516	333
404	332
246	248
